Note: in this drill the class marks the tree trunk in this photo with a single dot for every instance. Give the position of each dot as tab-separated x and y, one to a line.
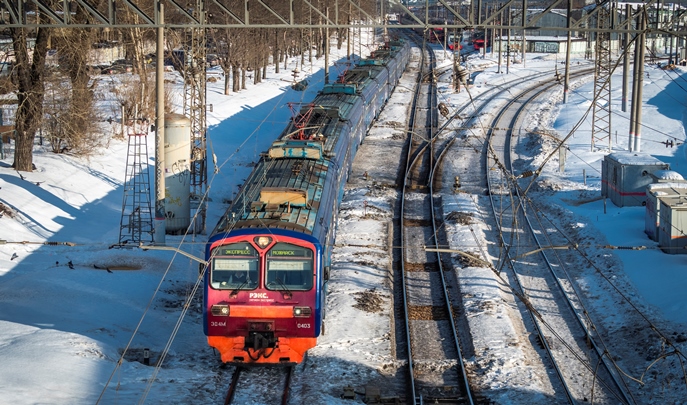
286	50
137	54
226	80
275	52
227	67
235	77
301	50
145	105
319	43
30	93
81	101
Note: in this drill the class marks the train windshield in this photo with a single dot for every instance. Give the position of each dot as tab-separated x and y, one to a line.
235	267
289	267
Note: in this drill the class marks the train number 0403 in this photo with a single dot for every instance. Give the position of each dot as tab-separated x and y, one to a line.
303	325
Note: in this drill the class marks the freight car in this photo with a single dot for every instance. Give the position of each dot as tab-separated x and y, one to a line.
269	255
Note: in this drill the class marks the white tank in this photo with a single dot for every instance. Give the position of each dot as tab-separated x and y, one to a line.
177	173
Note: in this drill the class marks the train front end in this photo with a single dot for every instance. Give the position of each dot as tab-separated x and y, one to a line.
261	302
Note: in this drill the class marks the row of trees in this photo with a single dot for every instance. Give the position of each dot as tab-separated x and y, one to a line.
68	115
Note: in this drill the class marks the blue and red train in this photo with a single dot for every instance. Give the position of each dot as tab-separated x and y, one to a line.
269	255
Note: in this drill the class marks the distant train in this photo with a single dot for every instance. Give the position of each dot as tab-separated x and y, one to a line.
480	43
435	35
269	255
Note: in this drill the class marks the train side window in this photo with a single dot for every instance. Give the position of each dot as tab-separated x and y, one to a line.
289	267
235	266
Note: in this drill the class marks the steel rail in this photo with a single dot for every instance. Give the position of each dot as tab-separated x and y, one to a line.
236	377
447	298
508	169
540	332
409	160
426	148
287	386
541	251
233	385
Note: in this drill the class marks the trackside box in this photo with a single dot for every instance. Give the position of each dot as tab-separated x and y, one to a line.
672	224
625	175
656	192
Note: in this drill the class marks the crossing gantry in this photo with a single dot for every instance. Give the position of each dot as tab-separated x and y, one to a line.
423	14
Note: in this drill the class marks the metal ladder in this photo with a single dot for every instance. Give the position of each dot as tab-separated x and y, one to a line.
136	224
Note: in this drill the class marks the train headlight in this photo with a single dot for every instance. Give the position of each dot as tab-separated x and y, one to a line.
263	241
302	312
220	310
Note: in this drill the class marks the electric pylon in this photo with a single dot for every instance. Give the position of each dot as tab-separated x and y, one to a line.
601	109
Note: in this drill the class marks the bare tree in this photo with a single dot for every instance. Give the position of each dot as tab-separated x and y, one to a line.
30	92
71	116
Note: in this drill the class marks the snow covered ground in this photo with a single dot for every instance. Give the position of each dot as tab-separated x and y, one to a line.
63	329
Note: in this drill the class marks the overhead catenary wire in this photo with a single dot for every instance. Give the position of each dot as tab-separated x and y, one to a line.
518	209
663	337
198	280
512	203
578	246
196	285
222	165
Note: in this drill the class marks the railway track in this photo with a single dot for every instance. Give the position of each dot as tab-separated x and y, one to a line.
263	382
436	371
582	367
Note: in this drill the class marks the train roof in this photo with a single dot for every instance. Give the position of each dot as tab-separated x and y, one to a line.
313	133
308	134
353	81
280	193
382	55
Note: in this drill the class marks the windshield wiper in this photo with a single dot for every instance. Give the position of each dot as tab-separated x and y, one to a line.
278	280
236	290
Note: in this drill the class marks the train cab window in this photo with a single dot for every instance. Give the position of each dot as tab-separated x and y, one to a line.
289	267
235	267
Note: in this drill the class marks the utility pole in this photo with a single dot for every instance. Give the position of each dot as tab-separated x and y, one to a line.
508	44
524	40
159	226
566	81
626	56
635	81
500	42
360	33
492	41
348	33
672	37
326	49
383	14
640	82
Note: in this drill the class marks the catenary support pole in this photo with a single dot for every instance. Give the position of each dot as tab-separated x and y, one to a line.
524	40
640	84
159	228
326	49
349	33
626	57
508	41
635	79
500	42
566	80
